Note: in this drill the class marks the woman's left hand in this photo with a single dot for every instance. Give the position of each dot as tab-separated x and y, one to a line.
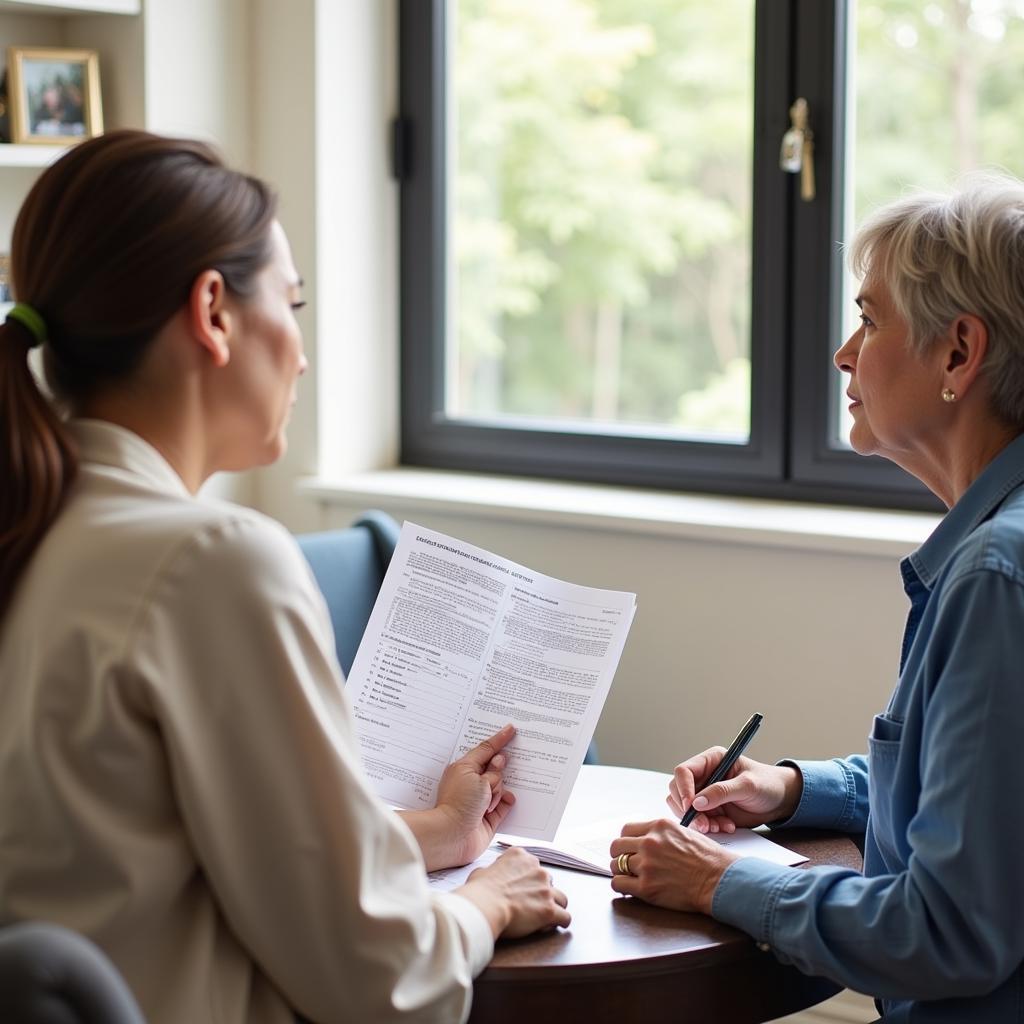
669	866
472	802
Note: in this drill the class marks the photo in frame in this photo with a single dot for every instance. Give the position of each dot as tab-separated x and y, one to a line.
53	95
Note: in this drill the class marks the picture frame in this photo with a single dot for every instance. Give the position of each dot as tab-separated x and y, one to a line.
53	95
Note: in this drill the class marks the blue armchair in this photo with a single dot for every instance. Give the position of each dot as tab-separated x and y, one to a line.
349	566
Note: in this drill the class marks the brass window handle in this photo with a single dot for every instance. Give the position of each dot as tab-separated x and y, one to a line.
796	155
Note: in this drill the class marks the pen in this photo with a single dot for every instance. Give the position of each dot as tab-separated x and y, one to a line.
731	757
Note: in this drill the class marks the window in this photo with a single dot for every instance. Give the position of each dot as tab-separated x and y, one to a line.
605	273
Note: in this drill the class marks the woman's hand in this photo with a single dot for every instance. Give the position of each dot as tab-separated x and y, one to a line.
750	795
472	795
472	802
669	866
517	896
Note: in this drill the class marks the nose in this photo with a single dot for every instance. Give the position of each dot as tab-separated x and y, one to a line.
303	364
845	358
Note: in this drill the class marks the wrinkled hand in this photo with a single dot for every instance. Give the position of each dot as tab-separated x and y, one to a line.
669	866
752	794
473	797
518	885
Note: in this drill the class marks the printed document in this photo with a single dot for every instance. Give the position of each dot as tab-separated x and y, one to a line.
461	642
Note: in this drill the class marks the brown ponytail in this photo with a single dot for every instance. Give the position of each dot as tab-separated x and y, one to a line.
105	249
37	460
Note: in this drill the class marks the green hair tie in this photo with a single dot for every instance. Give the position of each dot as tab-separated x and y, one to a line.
29	319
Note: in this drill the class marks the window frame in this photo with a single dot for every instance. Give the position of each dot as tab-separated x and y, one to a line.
796	289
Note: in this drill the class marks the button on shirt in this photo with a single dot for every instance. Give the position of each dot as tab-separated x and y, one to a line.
179	777
935	926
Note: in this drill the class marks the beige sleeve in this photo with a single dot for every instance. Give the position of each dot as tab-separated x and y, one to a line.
319	880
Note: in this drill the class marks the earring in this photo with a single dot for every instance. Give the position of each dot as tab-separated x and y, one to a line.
948	395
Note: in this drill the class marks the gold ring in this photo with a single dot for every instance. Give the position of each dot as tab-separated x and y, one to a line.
622	863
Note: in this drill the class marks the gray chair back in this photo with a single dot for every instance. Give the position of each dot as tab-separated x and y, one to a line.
50	975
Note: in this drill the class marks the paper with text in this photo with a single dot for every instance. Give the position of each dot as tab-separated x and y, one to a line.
461	642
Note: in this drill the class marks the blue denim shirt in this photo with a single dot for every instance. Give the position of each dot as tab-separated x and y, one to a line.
934	928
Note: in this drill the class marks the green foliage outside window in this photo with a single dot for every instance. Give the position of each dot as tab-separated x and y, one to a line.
601	201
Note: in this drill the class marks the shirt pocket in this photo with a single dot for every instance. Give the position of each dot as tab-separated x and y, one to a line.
884	746
886	732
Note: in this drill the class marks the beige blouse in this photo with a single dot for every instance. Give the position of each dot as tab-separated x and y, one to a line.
179	778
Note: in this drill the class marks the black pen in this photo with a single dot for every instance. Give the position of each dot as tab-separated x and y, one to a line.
731	757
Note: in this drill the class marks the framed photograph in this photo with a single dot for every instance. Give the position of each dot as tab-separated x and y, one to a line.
5	279
53	95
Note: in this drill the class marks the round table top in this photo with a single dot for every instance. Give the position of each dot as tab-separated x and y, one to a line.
609	933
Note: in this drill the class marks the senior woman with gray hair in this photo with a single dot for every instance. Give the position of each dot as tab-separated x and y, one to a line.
934	928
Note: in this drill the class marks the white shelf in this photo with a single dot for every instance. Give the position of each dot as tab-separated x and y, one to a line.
17	155
71	6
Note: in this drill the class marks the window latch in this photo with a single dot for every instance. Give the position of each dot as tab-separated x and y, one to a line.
796	156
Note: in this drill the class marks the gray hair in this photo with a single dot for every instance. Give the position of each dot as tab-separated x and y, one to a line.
942	255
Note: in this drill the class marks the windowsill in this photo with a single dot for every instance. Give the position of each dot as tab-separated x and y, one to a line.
827	528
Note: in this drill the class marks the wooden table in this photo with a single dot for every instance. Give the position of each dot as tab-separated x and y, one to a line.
624	961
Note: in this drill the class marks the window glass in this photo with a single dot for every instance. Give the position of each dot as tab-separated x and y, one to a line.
599	211
933	92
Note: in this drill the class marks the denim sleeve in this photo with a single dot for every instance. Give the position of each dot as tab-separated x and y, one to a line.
835	795
950	923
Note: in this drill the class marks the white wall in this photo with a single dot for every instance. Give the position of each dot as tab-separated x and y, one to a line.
325	94
197	72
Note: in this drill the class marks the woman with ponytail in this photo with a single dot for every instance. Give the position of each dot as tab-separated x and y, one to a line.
179	779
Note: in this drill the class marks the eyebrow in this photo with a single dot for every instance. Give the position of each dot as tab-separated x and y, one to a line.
862	298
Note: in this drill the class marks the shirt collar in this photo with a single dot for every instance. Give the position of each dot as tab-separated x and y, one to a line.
1005	473
106	444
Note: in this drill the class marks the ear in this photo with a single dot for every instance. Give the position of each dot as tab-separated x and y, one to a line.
966	344
208	317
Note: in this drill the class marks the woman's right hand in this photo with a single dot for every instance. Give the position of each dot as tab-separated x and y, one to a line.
750	795
517	896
